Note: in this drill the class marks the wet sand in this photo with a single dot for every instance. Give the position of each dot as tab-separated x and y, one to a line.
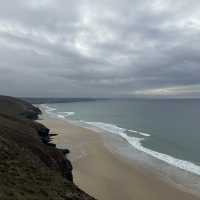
106	175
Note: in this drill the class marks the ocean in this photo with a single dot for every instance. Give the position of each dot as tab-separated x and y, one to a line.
166	130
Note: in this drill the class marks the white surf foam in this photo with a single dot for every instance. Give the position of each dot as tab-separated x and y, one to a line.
66	114
137	143
144	134
60	116
140	133
52	111
107	127
47	108
132	131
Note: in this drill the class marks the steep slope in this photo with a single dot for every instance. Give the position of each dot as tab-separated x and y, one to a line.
30	166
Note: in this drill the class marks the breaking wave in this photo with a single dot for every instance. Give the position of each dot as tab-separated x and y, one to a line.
136	142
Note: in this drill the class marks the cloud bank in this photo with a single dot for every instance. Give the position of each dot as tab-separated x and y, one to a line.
93	48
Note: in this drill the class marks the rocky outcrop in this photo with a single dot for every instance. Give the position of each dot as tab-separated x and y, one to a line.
31	167
19	108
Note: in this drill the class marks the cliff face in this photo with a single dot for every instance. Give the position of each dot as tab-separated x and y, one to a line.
30	166
18	108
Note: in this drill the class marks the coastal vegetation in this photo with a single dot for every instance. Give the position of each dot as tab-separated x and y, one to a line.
31	167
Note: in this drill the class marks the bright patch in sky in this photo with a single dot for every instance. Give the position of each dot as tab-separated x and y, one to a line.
100	48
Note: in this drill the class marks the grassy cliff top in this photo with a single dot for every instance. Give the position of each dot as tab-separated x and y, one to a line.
31	169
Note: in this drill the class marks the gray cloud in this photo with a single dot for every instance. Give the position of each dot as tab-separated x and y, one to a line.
96	48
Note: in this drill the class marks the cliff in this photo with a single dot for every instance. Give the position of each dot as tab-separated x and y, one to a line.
30	166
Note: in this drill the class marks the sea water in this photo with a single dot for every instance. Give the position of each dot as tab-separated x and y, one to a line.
167	130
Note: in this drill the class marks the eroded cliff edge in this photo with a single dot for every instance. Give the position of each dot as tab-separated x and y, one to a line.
30	166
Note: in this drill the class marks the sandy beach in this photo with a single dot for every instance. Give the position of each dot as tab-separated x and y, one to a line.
106	175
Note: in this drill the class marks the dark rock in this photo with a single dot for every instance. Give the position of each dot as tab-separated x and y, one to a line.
45	140
65	151
53	134
43	132
51	144
67	170
28	165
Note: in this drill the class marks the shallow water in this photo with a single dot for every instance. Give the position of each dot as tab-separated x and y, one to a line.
168	130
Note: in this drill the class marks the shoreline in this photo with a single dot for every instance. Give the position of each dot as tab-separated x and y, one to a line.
102	172
32	167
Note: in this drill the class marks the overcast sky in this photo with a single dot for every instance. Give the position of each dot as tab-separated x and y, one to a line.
100	48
